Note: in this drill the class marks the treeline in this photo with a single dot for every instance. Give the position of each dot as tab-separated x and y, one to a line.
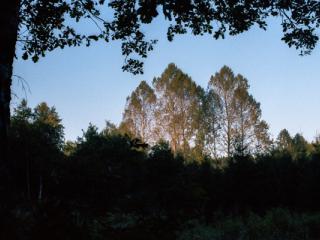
216	122
108	184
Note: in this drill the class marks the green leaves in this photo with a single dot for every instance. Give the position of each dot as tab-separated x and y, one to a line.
35	58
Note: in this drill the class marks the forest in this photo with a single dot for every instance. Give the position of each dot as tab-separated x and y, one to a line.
185	163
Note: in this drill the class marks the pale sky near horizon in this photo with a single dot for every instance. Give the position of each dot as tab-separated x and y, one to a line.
87	84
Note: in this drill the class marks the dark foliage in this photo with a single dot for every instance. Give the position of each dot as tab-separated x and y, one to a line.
108	185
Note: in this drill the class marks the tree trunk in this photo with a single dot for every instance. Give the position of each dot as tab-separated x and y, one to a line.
28	180
40	188
9	24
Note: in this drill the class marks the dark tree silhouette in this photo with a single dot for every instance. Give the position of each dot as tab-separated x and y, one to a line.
44	25
108	185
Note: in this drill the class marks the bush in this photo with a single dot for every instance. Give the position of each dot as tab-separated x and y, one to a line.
276	224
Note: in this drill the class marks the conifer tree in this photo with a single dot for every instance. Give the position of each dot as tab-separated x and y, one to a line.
284	140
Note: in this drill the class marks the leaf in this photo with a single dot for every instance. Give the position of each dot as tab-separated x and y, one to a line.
35	58
93	37
25	56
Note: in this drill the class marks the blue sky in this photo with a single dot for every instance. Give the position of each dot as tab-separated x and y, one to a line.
88	85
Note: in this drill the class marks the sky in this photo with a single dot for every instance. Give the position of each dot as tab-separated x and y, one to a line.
87	84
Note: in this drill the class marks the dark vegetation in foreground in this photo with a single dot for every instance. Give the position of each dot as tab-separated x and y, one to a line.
107	185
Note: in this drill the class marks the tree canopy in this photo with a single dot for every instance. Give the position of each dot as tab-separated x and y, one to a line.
45	25
218	121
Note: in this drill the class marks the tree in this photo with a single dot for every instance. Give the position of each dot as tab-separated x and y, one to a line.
263	140
22	113
104	165
20	136
177	103
316	144
251	131
47	119
284	140
301	148
297	146
69	148
47	124
224	84
240	114
210	119
138	116
196	122
44	25
36	140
